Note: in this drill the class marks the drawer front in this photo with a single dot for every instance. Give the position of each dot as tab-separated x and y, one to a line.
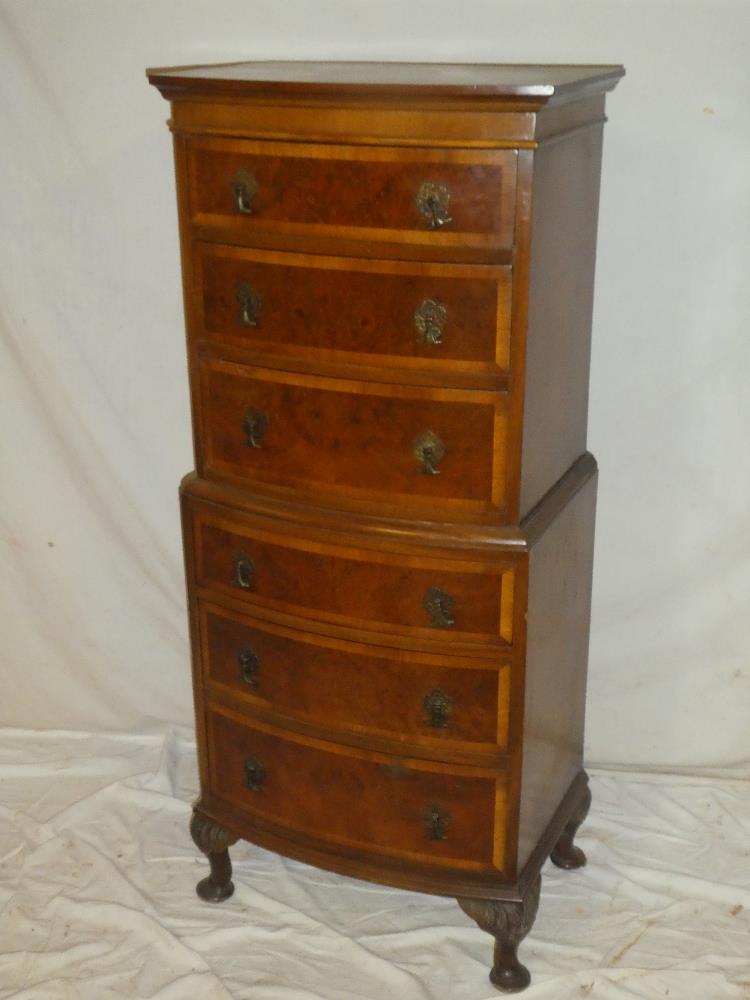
449	318
344	685
425	811
445	199
434	599
432	451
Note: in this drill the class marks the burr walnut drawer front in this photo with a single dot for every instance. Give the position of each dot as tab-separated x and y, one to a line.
451	318
435	452
340	685
426	811
438	202
431	598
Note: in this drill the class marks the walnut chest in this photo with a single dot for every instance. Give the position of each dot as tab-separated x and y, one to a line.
388	274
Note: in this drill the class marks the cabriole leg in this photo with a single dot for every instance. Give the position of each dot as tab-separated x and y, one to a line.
565	854
509	923
215	842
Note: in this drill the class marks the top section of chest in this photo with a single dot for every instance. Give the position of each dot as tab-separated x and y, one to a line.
392	160
429	226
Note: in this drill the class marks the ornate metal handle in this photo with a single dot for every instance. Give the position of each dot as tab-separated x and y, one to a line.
429	319
439	606
249	302
433	201
429	451
244	189
244	570
438	707
249	666
255	774
255	425
436	821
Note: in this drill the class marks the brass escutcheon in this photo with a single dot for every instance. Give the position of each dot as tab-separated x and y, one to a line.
433	201
249	301
436	821
249	666
438	707
429	320
439	606
429	451
255	425
244	188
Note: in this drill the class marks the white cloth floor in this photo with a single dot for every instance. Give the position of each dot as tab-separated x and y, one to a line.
97	876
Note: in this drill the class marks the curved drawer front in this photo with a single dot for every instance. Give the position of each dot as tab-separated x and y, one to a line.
428	812
436	452
434	599
336	684
266	192
452	319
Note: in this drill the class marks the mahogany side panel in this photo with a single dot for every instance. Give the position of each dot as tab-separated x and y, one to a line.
558	615
564	200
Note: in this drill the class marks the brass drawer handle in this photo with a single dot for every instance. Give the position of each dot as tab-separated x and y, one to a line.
429	451
249	302
244	571
433	201
255	774
436	821
255	425
249	666
438	707
244	189
429	319
439	606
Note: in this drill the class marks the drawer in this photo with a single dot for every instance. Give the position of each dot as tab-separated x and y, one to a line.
435	452
425	811
450	318
335	684
434	599
438	202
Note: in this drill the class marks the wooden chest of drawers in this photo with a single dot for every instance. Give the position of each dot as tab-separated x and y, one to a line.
388	275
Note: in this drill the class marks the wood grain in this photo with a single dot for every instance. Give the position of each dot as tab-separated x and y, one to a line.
560	296
373	589
341	535
304	315
531	85
559	609
391	794
336	191
354	442
351	687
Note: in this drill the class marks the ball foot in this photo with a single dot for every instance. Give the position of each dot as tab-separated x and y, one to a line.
508	921
214	892
568	856
565	854
214	841
510	979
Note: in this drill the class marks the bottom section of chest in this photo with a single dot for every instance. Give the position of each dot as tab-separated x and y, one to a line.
406	711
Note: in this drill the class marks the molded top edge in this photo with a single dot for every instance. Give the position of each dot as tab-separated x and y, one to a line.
534	84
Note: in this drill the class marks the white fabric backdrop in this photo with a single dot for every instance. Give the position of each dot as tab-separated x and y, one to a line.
95	429
88	911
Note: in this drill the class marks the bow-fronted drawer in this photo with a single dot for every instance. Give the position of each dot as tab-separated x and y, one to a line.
450	204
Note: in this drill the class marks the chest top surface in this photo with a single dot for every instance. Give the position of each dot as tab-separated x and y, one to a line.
536	84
